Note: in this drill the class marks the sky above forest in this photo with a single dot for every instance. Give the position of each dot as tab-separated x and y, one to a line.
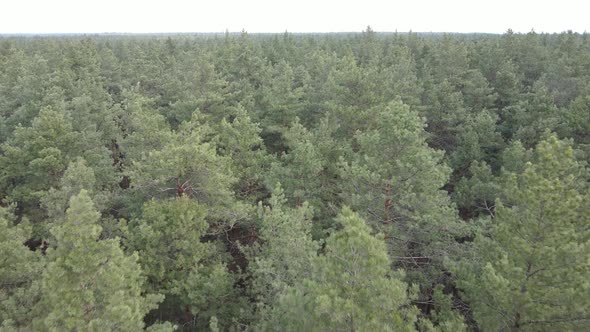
94	16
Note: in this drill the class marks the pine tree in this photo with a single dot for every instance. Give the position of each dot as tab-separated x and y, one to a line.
20	271
240	139
76	177
187	164
33	160
308	170
286	250
300	169
393	180
351	288
177	263
282	97
89	283
529	269
534	114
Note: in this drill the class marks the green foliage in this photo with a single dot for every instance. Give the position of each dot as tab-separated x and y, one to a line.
282	96
531	116
185	165
167	237
394	181
287	249
90	283
351	287
191	273
308	170
300	169
576	123
35	159
26	79
76	177
480	191
145	129
20	270
530	268
240	140
177	140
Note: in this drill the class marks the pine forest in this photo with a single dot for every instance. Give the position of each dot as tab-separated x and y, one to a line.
295	182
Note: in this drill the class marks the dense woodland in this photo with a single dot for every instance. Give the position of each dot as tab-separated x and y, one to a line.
287	182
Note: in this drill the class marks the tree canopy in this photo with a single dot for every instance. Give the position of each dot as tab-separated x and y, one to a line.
294	182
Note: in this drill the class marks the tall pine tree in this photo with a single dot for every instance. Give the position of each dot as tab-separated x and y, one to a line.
90	284
530	266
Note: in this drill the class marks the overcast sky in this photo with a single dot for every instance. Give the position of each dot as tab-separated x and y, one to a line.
89	16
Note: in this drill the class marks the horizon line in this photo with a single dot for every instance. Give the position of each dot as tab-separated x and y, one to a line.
270	32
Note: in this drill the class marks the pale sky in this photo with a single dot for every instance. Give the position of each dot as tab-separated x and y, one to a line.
95	16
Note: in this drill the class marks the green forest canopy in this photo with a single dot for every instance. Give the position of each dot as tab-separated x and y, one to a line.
237	182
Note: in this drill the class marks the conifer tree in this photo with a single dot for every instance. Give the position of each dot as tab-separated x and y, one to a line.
20	272
240	139
393	180
187	164
530	266
351	287
189	272
89	283
286	248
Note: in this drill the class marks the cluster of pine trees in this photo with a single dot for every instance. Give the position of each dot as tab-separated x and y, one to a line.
359	182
